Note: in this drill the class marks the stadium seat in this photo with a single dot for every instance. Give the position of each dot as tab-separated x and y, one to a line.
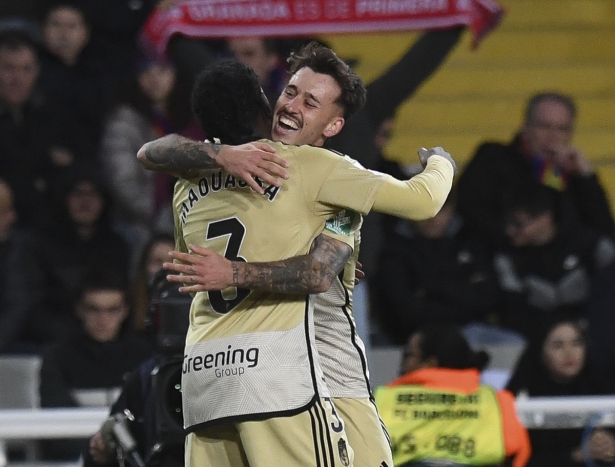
19	389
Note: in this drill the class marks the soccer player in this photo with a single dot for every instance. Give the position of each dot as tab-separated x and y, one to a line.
336	191
307	126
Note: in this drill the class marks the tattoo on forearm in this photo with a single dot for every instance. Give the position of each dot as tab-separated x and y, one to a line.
235	274
301	274
176	153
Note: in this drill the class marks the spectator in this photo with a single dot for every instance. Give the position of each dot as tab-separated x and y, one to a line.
13	286
555	364
69	74
548	266
155	253
150	391
601	325
65	31
541	153
151	105
87	368
261	55
431	271
440	378
80	239
115	26
37	141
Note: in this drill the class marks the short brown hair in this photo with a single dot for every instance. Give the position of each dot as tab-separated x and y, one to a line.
323	60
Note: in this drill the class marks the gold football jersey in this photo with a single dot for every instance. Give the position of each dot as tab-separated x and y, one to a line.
341	350
241	339
220	212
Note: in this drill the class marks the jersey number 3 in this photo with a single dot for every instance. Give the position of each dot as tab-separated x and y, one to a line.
236	231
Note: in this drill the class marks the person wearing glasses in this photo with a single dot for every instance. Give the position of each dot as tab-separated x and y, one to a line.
87	368
540	153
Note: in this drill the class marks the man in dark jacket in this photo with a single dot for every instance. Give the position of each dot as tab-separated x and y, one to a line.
547	267
540	154
430	271
151	393
13	283
37	139
71	75
88	367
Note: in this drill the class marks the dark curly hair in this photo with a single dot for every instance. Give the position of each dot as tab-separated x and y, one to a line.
447	344
228	101
322	59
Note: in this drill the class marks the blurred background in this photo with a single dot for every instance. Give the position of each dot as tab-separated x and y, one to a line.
480	94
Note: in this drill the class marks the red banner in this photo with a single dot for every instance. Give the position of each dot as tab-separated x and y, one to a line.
285	18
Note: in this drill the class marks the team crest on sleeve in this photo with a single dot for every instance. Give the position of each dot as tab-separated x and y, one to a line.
341	223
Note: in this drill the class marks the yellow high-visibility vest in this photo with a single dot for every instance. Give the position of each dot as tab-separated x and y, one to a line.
435	424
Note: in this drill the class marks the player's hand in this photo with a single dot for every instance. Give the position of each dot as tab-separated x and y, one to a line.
425	154
253	160
98	450
358	273
201	270
572	161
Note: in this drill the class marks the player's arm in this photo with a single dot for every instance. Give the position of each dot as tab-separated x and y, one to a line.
348	185
185	158
422	196
390	90
205	269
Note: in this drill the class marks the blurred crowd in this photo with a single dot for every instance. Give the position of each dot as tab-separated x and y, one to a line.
523	250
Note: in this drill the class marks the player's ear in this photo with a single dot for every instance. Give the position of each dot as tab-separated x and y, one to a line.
334	127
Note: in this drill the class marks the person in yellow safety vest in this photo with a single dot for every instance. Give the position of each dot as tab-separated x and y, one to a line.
437	412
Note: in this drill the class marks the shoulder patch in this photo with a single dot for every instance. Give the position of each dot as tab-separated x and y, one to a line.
341	223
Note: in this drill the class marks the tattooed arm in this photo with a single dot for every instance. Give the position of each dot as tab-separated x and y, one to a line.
185	158
311	273
177	155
